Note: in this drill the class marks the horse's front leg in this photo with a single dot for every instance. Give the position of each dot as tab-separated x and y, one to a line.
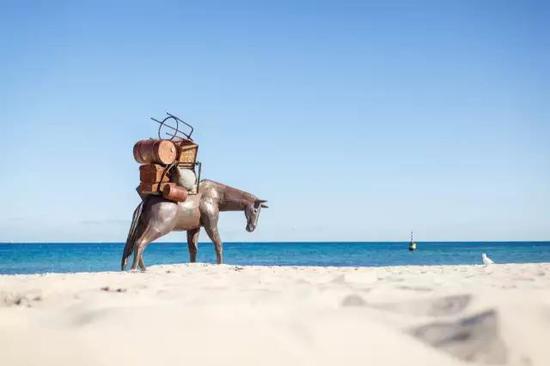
215	237
209	220
192	241
211	226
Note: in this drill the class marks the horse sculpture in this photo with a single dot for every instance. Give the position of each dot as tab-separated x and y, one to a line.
156	216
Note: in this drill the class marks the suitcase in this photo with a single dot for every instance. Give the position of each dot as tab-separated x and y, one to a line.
153	173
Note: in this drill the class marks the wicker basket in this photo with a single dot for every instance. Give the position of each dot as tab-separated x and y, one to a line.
187	152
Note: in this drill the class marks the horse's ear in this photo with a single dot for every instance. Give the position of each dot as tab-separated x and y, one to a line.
262	203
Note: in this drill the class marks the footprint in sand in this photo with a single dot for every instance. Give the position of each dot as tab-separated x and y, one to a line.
415	288
353	300
108	289
341	279
15	299
443	306
474	338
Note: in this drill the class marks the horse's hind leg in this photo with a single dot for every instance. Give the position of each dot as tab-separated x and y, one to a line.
149	235
141	264
192	241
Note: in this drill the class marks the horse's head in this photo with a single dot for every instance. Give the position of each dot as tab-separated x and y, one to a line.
252	213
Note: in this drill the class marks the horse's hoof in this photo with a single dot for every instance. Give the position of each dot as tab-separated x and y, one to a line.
123	264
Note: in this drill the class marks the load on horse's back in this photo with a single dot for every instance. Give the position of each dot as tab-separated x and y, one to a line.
174	199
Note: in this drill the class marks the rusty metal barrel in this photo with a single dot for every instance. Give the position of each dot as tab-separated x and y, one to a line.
155	151
173	192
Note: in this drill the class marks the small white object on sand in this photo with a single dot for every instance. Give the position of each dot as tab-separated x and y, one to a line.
486	260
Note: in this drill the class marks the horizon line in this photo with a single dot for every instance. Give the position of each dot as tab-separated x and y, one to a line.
284	242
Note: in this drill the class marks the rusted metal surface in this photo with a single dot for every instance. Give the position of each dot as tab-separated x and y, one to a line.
161	216
153	173
155	151
175	193
151	188
187	151
172	202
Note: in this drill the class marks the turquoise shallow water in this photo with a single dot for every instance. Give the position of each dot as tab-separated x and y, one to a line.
92	257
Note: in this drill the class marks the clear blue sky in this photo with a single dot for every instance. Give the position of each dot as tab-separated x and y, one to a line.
356	120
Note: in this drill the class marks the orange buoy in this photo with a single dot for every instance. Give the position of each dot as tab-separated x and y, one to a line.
155	151
173	192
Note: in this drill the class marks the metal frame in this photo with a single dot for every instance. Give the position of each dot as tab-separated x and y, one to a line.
177	132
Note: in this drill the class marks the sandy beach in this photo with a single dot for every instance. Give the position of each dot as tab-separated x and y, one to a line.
210	315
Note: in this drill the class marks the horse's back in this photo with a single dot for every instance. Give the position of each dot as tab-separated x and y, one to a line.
178	216
185	215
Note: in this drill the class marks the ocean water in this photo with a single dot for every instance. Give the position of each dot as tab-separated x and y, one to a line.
92	257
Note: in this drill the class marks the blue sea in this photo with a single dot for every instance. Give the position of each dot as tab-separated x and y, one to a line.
22	258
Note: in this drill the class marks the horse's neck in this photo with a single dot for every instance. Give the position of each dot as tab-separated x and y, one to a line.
234	199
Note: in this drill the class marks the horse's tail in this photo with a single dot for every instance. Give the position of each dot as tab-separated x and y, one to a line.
129	247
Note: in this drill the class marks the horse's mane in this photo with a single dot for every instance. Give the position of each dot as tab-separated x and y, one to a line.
229	193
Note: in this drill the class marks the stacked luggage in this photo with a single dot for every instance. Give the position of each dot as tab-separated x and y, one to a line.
168	166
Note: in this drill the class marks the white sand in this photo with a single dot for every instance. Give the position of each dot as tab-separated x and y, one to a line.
225	315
